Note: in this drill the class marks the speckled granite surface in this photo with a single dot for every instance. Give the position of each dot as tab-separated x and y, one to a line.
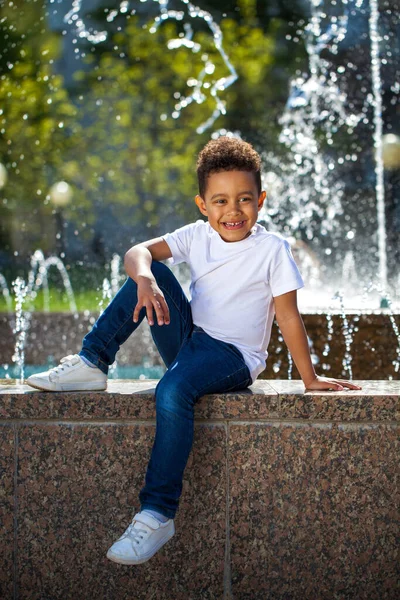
286	495
313	511
77	490
7	454
377	401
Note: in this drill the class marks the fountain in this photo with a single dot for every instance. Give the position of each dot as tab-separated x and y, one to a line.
304	479
74	19
306	194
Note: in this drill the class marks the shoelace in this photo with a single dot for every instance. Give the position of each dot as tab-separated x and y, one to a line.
133	533
67	361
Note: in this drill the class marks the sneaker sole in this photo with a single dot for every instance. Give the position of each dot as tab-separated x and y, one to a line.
146	557
70	387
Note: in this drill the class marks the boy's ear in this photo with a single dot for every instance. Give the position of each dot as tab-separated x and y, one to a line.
261	199
201	205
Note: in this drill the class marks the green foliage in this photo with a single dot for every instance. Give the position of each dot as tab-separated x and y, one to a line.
59	302
35	116
112	137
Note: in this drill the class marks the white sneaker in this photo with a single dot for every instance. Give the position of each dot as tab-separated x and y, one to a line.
71	375
144	536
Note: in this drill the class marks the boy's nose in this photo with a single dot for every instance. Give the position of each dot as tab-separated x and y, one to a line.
234	209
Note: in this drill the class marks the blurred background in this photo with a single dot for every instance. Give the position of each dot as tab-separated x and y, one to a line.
104	106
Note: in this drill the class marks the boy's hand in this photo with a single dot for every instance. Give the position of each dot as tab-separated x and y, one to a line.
325	383
151	297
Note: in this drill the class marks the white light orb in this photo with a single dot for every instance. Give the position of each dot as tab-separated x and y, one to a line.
60	193
391	151
272	183
3	176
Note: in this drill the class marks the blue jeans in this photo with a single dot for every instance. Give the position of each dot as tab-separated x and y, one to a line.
197	364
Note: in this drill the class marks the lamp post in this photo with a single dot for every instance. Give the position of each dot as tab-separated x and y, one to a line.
60	196
3	176
391	165
391	151
3	180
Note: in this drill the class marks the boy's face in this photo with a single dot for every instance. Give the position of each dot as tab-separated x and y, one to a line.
231	203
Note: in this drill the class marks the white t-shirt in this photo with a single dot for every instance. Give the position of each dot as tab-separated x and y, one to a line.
233	284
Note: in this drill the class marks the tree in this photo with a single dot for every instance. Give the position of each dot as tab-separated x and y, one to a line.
36	116
111	136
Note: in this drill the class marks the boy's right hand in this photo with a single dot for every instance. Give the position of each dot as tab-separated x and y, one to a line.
151	297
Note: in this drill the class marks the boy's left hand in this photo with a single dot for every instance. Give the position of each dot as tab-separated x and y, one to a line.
326	383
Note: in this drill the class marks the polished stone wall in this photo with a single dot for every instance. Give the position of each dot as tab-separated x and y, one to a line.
287	495
373	347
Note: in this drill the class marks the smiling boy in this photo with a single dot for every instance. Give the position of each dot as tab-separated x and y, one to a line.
241	275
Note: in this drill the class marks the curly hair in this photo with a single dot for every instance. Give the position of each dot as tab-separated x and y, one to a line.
227	154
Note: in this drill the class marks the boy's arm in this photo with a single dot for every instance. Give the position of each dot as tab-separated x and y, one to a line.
137	263
294	333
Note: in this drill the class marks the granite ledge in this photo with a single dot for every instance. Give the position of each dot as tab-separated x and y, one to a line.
264	400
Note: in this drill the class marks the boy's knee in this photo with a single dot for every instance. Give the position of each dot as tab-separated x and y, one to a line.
166	388
163	274
173	391
158	268
131	283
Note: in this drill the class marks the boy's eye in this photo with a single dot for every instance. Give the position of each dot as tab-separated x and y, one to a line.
223	201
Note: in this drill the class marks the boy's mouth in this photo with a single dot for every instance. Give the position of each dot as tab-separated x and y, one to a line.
232	225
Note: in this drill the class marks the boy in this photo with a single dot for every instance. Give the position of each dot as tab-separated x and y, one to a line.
240	275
